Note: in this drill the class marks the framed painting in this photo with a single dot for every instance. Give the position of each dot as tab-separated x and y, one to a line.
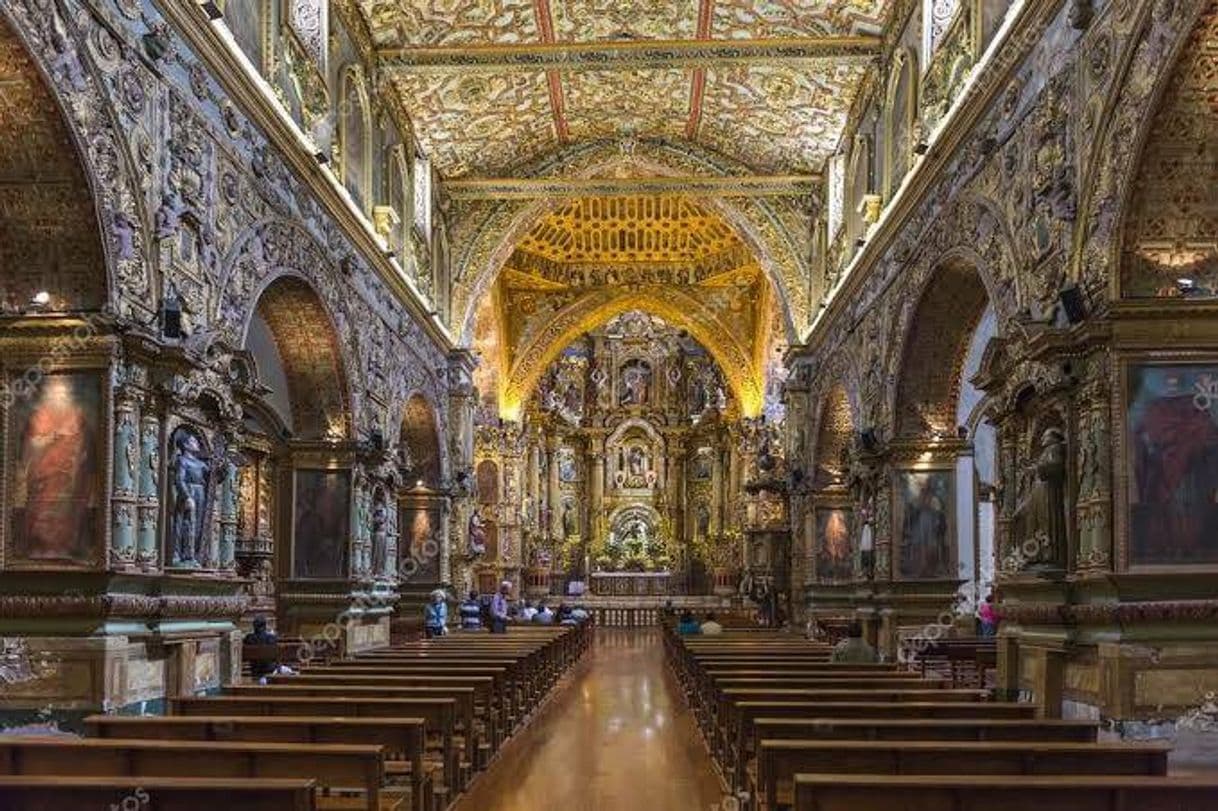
923	523
1169	454
420	560
834	544
55	493
321	523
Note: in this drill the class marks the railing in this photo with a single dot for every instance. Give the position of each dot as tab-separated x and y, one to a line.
625	617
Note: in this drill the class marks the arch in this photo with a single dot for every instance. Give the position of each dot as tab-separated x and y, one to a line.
626	425
421	438
936	343
1168	229
900	111
118	212
355	136
858	185
677	308
486	251
834	434
400	194
50	241
307	342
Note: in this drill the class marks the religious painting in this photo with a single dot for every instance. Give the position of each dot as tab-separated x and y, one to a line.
834	551
703	464
55	493
421	538
321	522
568	471
634	383
1172	437
923	521
488	482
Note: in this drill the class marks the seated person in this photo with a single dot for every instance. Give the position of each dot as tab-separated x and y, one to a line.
854	648
579	613
687	624
710	626
261	668
471	613
566	616
528	612
544	615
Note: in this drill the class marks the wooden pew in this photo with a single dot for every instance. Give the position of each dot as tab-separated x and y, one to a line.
858	792
926	729
333	766
404	739
439	714
71	792
778	761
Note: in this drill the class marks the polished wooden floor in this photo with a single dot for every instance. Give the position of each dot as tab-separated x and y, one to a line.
615	735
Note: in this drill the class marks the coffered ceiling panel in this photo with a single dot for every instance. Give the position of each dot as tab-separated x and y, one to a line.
590	20
656	106
777	118
478	123
452	22
749	19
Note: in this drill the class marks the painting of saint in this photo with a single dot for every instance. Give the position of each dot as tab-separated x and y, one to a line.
322	523
702	464
834	555
923	517
1172	425
420	560
55	438
567	470
635	383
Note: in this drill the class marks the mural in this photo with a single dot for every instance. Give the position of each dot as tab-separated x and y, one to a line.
321	523
1172	426
834	553
55	493
923	519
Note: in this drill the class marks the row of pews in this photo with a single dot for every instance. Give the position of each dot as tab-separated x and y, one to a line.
398	729
789	729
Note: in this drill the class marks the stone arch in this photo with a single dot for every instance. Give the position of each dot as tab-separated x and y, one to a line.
677	308
83	174
420	435
756	222
936	340
834	434
1169	220
1142	78
305	337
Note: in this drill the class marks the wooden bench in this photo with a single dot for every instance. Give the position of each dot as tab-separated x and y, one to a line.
334	767
778	761
72	793
404	739
856	792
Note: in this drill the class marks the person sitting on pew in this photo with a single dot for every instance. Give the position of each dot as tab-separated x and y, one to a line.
854	648
580	614
499	608
565	615
687	624
435	615
544	615
528	612
471	613
711	626
261	668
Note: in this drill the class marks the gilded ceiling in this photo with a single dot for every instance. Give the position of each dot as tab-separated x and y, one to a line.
486	96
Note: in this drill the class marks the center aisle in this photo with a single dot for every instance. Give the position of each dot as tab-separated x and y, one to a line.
615	735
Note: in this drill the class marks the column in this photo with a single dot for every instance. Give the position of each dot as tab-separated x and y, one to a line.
534	485
716	522
553	491
149	489
123	491
596	484
676	488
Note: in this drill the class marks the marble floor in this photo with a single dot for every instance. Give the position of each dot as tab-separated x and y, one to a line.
614	735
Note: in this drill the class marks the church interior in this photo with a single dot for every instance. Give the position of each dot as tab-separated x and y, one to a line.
525	405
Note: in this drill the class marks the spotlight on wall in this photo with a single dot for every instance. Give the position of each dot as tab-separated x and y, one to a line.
212	11
321	157
1186	286
869	440
40	300
962	432
171	317
921	148
860	242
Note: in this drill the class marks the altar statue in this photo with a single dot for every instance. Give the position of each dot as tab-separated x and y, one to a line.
477	535
1040	518
191	501
380	536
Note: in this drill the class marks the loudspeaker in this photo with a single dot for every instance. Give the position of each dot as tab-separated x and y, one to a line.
171	318
868	439
1073	305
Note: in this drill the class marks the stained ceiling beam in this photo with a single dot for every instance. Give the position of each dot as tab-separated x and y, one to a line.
625	55
508	188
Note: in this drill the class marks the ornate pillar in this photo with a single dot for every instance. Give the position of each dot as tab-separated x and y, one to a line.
596	485
676	487
149	477
553	491
534	484
123	494
1094	473
230	490
716	522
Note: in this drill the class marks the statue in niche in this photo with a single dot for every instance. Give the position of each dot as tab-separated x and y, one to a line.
1039	522
703	521
380	533
636	462
636	383
568	520
193	486
476	534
